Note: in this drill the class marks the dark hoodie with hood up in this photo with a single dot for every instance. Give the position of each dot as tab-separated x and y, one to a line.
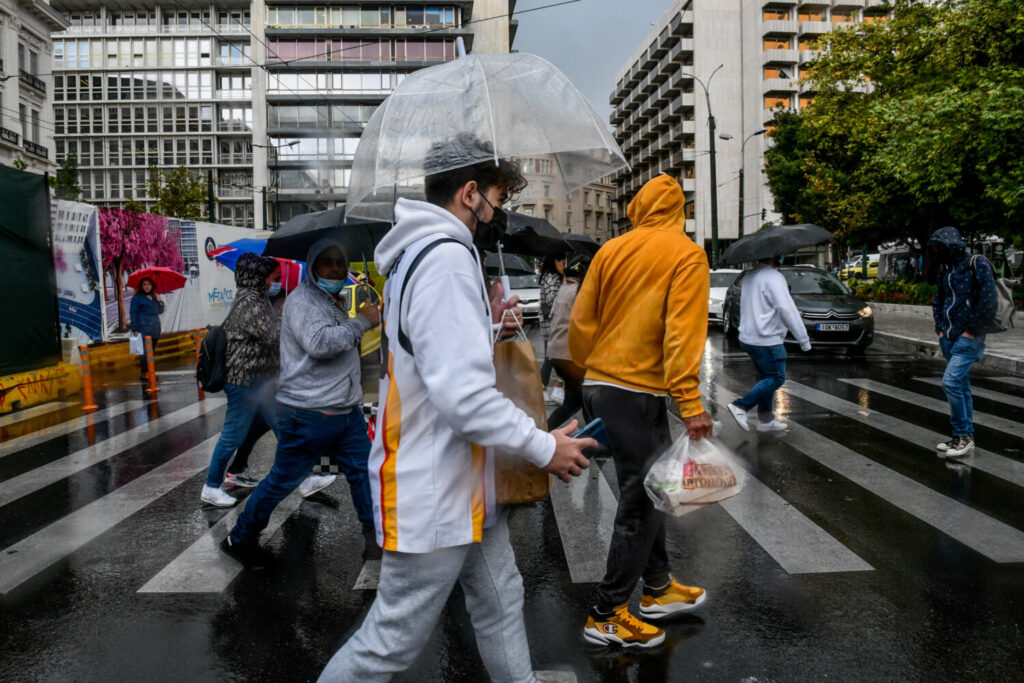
252	328
965	300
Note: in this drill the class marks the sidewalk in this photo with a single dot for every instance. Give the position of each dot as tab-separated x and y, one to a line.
911	328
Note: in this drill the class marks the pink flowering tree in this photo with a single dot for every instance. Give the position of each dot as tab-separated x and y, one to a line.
131	240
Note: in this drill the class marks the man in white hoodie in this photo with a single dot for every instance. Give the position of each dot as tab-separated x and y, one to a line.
431	472
766	312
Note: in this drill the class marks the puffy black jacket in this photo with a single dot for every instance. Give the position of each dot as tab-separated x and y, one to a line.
965	300
252	328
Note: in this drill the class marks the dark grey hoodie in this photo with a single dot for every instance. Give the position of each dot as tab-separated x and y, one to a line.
319	347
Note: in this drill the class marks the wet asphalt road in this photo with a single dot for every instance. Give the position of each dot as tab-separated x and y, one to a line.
854	553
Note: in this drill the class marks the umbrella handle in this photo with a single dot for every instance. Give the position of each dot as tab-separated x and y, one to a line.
506	286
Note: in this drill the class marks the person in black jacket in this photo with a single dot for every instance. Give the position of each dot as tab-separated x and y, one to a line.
144	315
965	304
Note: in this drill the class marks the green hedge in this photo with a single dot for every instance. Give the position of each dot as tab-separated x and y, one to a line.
895	292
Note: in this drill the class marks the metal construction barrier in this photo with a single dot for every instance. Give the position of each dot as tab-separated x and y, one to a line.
88	404
151	367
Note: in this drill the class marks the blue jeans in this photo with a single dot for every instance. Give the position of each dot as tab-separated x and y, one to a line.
770	362
243	404
956	382
305	435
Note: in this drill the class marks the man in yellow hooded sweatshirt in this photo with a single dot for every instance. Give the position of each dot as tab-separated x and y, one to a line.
638	327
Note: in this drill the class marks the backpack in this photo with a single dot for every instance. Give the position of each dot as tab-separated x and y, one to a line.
1003	318
211	366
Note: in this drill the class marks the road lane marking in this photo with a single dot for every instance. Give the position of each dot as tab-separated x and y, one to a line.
161	373
980	418
34	411
35	553
28	440
585	513
986	461
993	539
22	485
980	392
369	576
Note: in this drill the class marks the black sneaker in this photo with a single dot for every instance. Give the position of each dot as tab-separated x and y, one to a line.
960	446
240	479
249	555
371	551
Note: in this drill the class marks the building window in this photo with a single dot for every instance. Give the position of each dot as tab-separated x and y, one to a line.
844	17
776	102
810	15
776	44
776	15
808	43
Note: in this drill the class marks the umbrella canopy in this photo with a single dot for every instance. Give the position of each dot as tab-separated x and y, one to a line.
512	263
296	236
478	108
584	245
532	236
774	241
292	270
165	279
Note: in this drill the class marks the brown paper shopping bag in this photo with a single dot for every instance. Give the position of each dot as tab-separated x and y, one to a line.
518	378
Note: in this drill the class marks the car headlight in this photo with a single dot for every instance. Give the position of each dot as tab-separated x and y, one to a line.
865	312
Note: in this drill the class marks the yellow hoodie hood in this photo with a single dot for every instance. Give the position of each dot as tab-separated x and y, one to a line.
660	204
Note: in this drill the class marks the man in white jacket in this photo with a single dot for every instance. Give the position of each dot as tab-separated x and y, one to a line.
431	473
766	312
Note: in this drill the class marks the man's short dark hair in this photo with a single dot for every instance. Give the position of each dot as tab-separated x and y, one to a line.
441	187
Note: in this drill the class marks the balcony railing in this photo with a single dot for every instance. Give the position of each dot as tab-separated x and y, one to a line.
38	150
815	28
231	28
771	55
32	81
9	136
774	26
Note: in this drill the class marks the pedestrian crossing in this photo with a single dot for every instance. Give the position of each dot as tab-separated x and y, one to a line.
33	412
27	441
981	392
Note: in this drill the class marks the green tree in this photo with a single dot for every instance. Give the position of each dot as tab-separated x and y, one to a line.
178	193
65	180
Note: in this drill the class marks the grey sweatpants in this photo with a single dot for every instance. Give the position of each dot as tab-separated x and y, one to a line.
412	592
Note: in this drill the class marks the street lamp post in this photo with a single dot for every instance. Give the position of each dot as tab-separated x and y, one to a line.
714	170
743	161
277	185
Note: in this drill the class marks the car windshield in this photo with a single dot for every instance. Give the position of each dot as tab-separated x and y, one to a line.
723	279
808	281
527	281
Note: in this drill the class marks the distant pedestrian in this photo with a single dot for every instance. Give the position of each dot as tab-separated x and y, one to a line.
144	314
965	303
252	362
552	275
639	326
319	396
766	312
558	345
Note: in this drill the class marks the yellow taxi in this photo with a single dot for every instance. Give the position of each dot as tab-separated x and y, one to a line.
356	295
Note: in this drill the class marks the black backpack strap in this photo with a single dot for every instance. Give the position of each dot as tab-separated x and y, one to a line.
404	340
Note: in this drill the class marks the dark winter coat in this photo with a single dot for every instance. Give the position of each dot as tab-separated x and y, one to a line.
144	315
252	327
965	300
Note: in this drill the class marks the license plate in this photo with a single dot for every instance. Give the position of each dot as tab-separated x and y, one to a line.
833	327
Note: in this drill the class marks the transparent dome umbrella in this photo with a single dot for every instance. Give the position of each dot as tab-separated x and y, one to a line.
472	109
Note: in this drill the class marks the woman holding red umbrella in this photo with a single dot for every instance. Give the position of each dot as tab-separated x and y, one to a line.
145	311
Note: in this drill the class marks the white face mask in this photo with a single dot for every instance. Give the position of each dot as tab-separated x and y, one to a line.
274	289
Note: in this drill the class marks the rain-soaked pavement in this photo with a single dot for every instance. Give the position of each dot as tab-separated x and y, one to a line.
854	553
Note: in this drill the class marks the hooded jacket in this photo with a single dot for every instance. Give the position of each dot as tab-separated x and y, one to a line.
320	346
431	471
640	319
252	326
965	301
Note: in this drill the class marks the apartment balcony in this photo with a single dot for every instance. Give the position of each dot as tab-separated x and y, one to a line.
777	85
877	4
194	29
847	4
767	4
9	136
32	81
808	56
784	56
37	150
689	184
769	114
778	26
814	28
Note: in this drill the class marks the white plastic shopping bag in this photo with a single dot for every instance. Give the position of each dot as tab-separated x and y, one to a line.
135	345
692	474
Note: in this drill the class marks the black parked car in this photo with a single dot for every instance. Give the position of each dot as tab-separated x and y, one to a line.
831	313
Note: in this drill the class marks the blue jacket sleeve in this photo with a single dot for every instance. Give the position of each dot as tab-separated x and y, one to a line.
984	308
937	304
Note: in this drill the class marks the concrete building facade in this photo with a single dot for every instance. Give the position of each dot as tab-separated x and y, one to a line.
26	84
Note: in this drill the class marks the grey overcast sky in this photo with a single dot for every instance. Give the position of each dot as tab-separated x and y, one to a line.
589	40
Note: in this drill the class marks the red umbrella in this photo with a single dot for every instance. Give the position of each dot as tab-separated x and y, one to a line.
165	279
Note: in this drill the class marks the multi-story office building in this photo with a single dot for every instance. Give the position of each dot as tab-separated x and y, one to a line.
26	86
270	96
588	211
661	111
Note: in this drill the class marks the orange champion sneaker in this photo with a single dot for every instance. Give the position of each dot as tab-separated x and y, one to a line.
672	600
623	628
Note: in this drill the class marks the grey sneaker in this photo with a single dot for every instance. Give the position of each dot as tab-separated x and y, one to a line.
945	445
314	483
960	446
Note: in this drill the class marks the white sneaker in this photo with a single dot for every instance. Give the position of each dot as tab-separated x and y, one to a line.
773	426
314	483
558	395
740	415
216	497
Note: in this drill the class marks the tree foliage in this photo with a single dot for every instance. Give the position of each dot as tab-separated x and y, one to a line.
178	193
65	181
917	122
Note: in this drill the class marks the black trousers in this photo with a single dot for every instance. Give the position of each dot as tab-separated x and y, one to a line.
573	396
637	426
258	428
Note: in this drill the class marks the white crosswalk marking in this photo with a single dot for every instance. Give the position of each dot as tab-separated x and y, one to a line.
33	480
585	513
28	440
986	461
981	392
1015	381
992	538
980	418
31	555
34	411
369	576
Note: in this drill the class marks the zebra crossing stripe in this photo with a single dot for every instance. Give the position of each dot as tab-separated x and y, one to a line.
984	419
33	554
981	392
28	440
22	485
369	576
34	411
1015	381
585	513
993	539
986	461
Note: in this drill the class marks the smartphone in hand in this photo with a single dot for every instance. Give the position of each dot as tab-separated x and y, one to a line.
595	430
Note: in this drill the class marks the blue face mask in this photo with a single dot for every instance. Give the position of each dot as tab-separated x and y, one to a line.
330	286
274	289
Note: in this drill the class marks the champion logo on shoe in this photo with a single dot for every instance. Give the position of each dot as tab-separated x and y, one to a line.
609	628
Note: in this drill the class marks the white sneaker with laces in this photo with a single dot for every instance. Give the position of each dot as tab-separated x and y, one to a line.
773	426
216	497
740	415
558	395
946	445
314	483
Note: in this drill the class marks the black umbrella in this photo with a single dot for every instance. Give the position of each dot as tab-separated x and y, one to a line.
512	263
774	241
295	237
532	236
583	245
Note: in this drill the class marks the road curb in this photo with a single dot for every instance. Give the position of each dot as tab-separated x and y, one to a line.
993	362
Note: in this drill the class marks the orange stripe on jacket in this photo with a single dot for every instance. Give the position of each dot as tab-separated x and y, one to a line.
391	424
479	491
